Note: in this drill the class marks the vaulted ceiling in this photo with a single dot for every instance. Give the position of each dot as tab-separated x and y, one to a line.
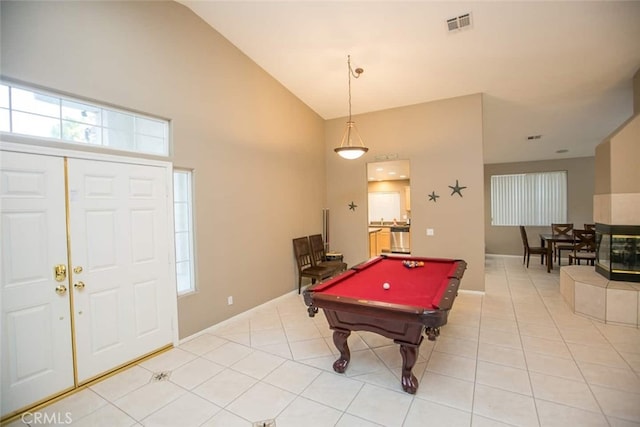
561	70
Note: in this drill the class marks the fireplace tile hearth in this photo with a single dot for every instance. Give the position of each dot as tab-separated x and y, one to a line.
591	295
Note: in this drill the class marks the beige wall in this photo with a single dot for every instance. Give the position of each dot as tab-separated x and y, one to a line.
580	190
443	142
603	168
257	151
617	161
625	155
636	92
617	197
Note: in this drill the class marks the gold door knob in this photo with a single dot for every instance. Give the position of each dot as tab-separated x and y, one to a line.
78	285
61	289
60	272
77	269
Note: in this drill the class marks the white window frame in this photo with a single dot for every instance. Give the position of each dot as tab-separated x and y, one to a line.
184	201
99	125
535	199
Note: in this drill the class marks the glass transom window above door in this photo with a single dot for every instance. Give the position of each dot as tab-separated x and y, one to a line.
45	115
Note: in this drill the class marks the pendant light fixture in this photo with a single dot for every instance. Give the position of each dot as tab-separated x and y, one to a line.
349	150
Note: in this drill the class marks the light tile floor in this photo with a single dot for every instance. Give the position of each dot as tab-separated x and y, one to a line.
515	356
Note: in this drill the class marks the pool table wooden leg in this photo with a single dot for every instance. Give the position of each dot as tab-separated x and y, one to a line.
432	333
312	310
409	353
340	341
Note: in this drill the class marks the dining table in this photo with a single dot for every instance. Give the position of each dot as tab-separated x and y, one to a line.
547	240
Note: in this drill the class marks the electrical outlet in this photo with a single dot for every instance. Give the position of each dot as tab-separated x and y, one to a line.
229	300
429	231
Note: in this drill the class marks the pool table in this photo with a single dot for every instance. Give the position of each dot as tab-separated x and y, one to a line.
417	300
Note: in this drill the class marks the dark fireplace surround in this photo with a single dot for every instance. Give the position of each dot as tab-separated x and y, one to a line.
618	252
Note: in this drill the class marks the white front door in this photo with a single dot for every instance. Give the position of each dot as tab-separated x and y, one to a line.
119	287
120	238
36	352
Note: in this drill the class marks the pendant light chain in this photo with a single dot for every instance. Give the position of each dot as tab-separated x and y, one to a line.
355	74
350	72
347	150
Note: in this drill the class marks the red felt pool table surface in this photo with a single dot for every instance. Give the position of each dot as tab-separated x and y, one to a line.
419	286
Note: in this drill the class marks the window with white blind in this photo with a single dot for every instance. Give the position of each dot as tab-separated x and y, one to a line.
529	198
40	114
183	216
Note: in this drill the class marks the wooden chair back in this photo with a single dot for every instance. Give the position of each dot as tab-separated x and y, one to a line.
584	247
558	247
528	250
318	252
302	252
306	265
319	255
523	234
562	229
585	241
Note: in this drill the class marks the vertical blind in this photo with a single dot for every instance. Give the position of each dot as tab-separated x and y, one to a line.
529	199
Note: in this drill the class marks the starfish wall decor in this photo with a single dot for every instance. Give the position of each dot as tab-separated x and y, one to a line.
433	197
352	206
456	189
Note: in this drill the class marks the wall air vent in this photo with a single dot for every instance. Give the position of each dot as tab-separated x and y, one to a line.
459	22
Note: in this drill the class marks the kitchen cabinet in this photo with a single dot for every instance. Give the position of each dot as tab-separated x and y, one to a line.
373	242
407	198
384	240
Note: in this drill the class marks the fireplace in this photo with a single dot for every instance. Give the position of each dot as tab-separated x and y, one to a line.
618	252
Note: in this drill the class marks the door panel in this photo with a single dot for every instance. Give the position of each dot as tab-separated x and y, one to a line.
100	226
106	333
36	348
120	230
142	236
146	315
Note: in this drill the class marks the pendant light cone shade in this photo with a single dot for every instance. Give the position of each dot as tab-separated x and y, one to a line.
351	146
348	150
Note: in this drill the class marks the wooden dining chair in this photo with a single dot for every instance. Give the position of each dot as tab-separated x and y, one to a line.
584	248
590	227
320	254
558	247
304	260
528	250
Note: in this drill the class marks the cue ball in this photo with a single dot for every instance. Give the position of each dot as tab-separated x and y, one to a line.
386	286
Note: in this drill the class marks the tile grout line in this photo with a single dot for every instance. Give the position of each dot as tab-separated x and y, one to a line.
572	358
508	288
475	373
535	282
526	362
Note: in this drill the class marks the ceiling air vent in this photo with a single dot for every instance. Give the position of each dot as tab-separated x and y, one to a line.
459	22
